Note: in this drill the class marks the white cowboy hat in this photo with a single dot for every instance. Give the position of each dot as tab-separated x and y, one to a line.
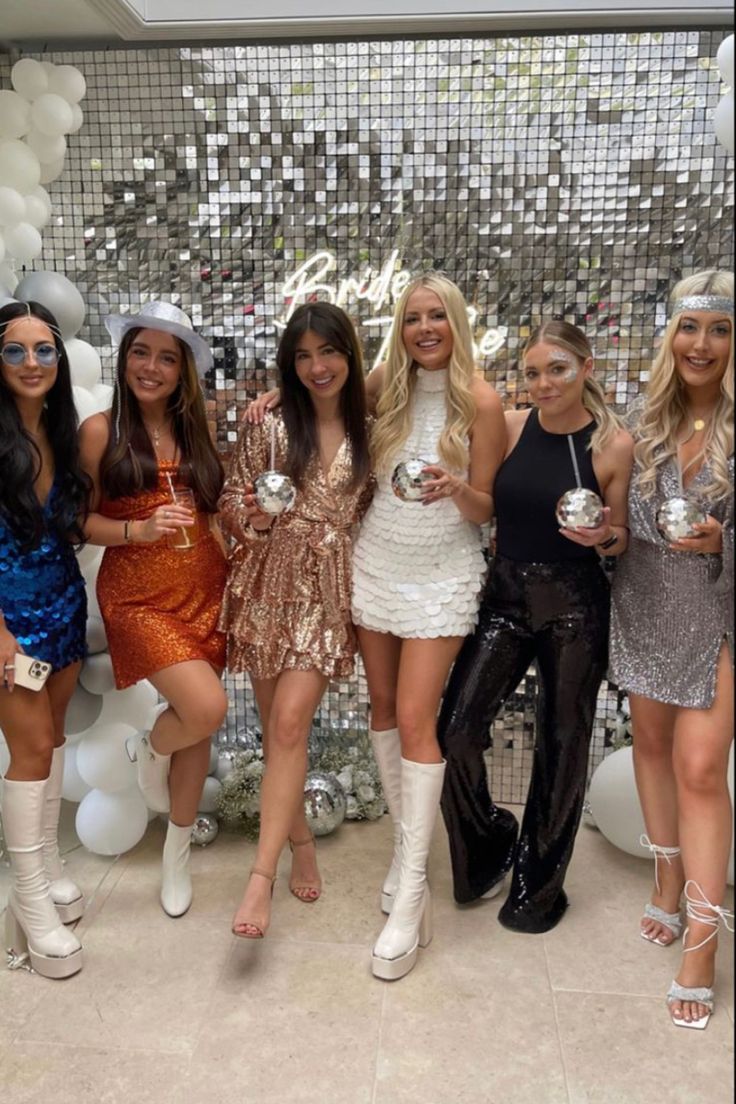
168	318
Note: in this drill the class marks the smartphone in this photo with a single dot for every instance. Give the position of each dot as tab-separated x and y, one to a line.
29	672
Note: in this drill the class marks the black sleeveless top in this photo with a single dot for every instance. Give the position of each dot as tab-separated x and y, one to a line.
528	485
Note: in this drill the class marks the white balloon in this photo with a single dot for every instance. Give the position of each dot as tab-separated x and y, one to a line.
51	114
73	786
210	793
85	404
77	119
723	120
111	823
97	674
29	78
41	193
8	278
82	712
68	82
35	212
12	206
135	706
4	756
2	258
46	147
84	363
96	635
102	394
58	295
214	755
23	241
50	170
725	59
15	115
48	68
614	802
19	166
102	758
89	558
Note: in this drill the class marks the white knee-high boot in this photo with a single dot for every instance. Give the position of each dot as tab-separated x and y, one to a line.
66	895
387	753
32	924
176	882
410	924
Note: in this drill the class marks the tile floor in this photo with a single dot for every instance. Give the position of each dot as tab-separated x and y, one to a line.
180	1012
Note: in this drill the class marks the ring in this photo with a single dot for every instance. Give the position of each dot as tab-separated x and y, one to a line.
9	666
166	513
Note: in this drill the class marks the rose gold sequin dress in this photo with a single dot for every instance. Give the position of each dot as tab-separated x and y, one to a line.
287	601
160	604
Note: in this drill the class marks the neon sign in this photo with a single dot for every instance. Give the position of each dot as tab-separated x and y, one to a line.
381	288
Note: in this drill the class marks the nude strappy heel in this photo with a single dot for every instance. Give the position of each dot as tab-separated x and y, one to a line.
314	889
259	929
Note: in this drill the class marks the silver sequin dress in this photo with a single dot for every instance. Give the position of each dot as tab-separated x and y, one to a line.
418	570
670	611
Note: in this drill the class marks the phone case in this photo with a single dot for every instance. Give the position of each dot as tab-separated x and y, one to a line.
29	672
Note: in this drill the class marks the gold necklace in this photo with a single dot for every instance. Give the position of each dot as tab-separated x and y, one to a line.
155	433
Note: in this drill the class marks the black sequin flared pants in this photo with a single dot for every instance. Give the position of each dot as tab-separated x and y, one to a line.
557	616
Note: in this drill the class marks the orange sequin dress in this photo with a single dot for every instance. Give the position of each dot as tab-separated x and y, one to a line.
287	600
160	604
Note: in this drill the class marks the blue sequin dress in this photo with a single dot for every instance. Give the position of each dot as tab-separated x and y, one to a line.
43	596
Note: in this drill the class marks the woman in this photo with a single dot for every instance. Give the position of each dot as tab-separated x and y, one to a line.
43	614
672	627
287	608
546	600
162	575
418	569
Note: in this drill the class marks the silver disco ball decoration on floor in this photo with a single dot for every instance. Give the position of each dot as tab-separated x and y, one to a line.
678	516
325	803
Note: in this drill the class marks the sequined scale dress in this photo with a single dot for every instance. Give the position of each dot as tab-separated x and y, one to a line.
160	604
287	603
42	594
418	570
671	611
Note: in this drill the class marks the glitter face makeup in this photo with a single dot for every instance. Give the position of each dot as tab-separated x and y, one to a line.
562	357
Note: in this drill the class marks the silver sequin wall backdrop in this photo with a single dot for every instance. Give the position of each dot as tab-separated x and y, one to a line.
575	174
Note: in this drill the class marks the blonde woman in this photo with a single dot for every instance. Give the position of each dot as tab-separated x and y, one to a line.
418	569
672	628
546	601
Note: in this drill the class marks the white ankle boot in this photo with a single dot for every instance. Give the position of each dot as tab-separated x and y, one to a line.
153	774
66	895
176	882
387	753
32	924
410	925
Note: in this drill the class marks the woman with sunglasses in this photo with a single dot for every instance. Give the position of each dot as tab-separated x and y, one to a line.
43	614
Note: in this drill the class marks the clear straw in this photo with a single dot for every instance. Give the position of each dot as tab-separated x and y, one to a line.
171	487
273	443
576	469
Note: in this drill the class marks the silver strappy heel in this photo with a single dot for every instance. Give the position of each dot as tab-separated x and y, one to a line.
671	920
701	910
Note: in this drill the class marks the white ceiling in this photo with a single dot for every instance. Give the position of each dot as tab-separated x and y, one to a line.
51	22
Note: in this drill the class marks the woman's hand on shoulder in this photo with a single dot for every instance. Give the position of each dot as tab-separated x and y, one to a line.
256	410
709	541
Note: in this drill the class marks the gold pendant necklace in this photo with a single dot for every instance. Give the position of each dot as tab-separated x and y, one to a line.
698	424
155	433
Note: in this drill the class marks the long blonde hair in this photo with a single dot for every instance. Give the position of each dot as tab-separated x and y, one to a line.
665	406
567	336
393	424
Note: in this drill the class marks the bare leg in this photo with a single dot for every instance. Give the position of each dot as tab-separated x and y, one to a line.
295	700
423	670
305	881
381	653
197	707
702	741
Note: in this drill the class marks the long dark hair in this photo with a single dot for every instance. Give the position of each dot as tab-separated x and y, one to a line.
333	325
20	456
129	462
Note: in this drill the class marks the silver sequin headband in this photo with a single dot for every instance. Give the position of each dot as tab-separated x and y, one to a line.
720	304
29	314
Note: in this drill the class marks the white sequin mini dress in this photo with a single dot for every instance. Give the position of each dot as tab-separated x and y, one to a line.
418	570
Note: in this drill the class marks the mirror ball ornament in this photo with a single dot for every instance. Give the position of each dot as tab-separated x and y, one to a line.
579	508
325	803
204	829
677	516
408	479
275	493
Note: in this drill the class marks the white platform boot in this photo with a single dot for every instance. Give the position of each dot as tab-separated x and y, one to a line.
66	895
176	882
387	753
32	924
410	924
